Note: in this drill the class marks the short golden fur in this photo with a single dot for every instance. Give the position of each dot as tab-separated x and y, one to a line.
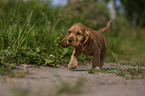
86	41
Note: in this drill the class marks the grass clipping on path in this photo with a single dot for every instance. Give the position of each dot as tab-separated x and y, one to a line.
129	73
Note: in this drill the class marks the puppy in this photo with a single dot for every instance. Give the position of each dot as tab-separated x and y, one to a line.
88	42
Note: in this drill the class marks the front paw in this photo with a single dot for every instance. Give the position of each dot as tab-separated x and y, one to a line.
72	66
97	68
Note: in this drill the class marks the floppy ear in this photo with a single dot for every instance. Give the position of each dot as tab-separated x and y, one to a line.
64	43
87	34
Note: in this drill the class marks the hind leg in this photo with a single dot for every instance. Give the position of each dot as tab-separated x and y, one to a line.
102	58
96	59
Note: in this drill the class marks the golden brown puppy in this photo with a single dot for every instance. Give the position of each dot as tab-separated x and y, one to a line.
86	41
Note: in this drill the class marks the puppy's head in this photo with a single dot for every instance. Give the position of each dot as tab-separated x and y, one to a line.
77	35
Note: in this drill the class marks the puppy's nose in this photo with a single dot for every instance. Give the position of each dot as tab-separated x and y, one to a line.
69	40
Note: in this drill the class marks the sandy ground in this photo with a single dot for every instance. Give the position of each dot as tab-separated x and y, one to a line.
46	81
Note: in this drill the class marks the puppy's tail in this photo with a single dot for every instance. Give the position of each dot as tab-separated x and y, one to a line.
105	28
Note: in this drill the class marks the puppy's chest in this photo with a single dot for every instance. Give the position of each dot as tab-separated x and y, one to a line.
87	50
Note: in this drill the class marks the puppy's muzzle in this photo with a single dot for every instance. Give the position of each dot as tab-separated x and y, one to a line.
70	40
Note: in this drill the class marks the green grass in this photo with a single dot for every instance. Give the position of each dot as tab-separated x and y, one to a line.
29	31
10	71
138	72
131	73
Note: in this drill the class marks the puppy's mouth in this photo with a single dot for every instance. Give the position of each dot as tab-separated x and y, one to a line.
73	42
76	43
79	43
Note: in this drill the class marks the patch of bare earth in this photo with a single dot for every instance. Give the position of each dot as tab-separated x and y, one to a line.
46	81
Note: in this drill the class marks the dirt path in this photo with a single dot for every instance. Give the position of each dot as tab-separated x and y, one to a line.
46	81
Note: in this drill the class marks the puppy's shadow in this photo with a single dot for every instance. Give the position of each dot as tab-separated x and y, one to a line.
111	68
105	69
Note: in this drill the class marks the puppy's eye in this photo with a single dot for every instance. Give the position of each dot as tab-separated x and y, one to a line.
78	33
69	31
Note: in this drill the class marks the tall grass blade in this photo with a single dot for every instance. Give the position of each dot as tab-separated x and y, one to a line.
26	22
28	32
116	59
